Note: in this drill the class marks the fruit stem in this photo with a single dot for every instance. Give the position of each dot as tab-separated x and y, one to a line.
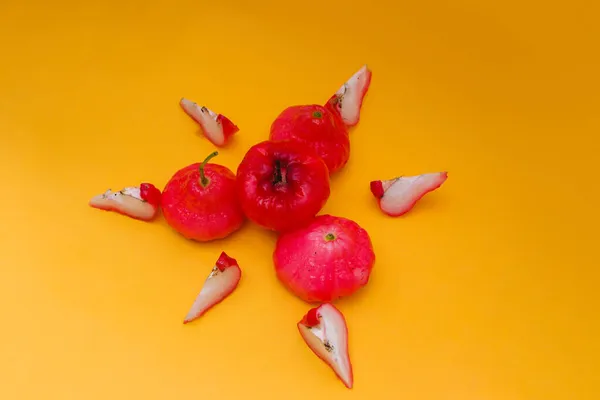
203	178
277	175
317	114
329	237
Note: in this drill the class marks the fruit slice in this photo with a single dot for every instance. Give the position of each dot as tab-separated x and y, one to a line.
216	127
397	196
222	280
141	202
347	101
325	331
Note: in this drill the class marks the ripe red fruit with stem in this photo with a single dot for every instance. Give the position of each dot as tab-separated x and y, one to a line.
200	201
319	129
282	184
329	258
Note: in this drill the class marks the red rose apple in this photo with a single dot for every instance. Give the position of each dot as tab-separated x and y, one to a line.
282	184
200	202
329	258
318	128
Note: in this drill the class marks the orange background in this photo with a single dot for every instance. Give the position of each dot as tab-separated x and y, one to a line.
486	290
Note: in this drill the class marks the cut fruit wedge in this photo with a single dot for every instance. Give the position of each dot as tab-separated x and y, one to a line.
399	195
325	331
347	101
216	127
222	280
141	202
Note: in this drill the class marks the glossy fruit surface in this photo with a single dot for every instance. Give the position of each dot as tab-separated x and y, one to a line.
329	258
200	202
318	128
282	185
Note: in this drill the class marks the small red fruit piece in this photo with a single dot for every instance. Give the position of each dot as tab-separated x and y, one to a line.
141	202
377	189
222	280
282	184
216	127
318	128
150	193
399	195
225	262
200	202
327	337
329	258
311	318
347	101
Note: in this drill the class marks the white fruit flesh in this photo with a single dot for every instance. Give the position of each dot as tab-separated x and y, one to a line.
127	201
132	191
216	287
351	94
402	193
329	340
207	120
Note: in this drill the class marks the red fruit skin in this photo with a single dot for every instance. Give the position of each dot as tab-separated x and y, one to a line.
318	128
377	189
229	128
318	270
151	194
225	261
311	318
202	213
283	206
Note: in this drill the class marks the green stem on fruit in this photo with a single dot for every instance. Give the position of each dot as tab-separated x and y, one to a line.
329	237
203	179
317	114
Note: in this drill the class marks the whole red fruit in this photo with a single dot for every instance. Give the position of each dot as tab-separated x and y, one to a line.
318	128
282	185
332	257
200	202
